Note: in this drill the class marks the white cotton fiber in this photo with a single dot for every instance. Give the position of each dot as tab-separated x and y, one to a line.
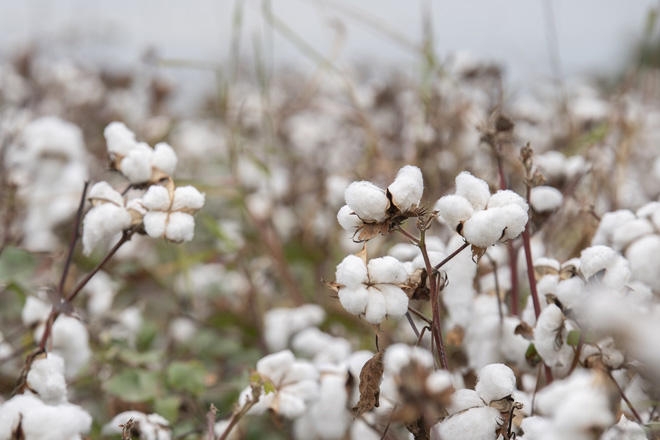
180	227
119	138
386	270
644	261
608	223
439	381
505	197
136	165
473	189
545	198
275	366
347	219
474	424
596	258
46	379
367	200
351	272
515	220
495	382
376	307
396	300
157	198
454	209
105	193
187	197
354	299
155	223
630	231
164	158
407	188
484	228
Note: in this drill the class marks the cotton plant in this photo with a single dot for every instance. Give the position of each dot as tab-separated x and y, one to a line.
139	425
43	410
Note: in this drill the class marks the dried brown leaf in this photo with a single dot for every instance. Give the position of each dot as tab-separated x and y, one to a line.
370	377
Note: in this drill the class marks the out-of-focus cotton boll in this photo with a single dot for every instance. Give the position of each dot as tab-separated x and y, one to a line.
609	223
150	426
630	231
475	423
280	324
550	339
321	347
473	189
119	138
46	379
101	290
368	201
398	356
407	188
644	261
545	198
182	329
41	421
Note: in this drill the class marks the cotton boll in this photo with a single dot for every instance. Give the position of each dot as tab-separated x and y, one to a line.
536	428
70	340
136	165
276	366
351	272
376	308
505	197
102	191
182	329
570	292
484	228
354	299
157	198
515	219
513	346
327	418
119	138
555	353
404	251
386	270
644	261
396	300
630	231
454	209
473	189
495	382
367	201
101	224
347	219
164	158
407	188
439	381
101	290
281	323
155	223
399	355
151	427
596	258
625	430
608	223
545	198
475	424
180	227
46	379
34	311
581	412
322	347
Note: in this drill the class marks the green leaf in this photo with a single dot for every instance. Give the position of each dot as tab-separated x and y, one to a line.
134	385
532	356
16	265
187	376
168	407
269	387
573	338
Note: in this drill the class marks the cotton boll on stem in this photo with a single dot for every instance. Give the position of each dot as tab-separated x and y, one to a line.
354	299
473	189
454	209
376	306
495	382
545	198
407	188
347	219
351	272
386	270
367	201
484	228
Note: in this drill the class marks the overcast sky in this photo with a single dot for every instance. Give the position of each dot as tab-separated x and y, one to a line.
592	35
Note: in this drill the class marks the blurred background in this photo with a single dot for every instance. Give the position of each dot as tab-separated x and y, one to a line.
534	40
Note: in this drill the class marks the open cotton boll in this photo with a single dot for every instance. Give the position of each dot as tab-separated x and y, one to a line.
484	228
625	430
327	418
399	355
404	251
474	424
608	223
548	327
322	347
582	412
396	300
368	201
136	165
630	231
354	299
164	158
644	261
505	197
596	258
454	209
347	219
275	366
46	379
101	224
407	188
376	308
351	272
187	197
570	292
156	198
70	340
281	323
545	198
439	381
515	219
386	270
151	426
119	138
495	382
103	192
473	189
34	310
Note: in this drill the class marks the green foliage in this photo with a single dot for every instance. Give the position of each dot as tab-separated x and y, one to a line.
187	376
16	266
573	338
134	385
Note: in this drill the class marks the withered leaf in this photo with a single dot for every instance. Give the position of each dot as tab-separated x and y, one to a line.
477	253
525	330
370	377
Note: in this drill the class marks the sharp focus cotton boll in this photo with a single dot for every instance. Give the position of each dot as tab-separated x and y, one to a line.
644	261
155	224
515	219
367	200
484	228
180	227
347	219
596	258
102	191
407	188
386	270
156	198
101	224
376	306
136	166
354	299
473	189
495	382
396	300
351	272
505	197
187	197
474	424
454	209
545	198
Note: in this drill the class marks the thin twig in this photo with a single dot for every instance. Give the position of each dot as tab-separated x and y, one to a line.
74	239
452	255
412	324
625	398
